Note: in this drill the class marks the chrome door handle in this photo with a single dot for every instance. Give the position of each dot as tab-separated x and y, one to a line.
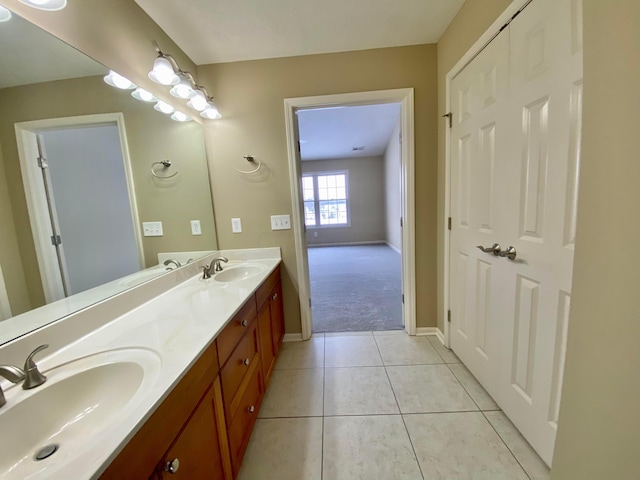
495	249
510	253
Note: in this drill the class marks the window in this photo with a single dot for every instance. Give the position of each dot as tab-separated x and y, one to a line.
326	200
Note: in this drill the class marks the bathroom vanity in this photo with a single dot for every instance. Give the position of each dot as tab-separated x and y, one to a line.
173	386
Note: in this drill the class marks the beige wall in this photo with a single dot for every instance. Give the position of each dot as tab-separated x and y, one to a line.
151	137
393	202
366	201
473	19
599	426
251	96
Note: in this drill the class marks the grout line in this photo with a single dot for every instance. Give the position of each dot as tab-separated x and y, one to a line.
406	429
464	388
324	384
507	446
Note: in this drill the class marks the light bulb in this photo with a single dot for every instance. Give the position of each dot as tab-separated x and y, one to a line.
183	89
163	72
116	80
198	101
180	117
143	95
50	5
164	107
5	14
211	112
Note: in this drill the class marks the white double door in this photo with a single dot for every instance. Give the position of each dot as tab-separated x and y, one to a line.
515	149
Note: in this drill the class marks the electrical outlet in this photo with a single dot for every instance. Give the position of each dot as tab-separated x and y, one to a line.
280	222
236	225
152	229
195	227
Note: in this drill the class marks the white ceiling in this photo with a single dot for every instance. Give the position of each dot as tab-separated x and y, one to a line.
231	30
31	55
333	132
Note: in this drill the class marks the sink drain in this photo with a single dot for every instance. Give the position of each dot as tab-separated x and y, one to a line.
46	452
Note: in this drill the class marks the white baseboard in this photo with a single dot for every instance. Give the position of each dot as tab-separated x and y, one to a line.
393	247
421	331
346	244
292	337
440	335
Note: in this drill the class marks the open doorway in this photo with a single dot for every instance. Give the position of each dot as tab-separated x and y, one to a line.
351	163
335	210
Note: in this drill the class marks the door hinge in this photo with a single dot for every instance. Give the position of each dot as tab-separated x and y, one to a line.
309	303
449	316
42	162
401	225
298	146
449	223
403	298
450	117
56	240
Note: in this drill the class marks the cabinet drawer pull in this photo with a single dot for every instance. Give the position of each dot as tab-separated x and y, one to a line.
251	409
246	362
244	322
172	466
274	296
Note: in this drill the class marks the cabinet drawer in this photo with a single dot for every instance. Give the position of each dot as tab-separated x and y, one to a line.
242	425
228	338
240	363
264	290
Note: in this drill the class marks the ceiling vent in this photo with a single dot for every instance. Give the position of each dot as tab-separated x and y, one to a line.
357	149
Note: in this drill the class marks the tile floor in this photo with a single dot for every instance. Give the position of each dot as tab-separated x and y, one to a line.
381	405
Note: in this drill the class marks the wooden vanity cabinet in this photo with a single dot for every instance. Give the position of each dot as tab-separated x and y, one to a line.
206	421
270	321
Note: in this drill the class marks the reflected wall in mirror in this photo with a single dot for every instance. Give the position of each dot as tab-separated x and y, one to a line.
44	82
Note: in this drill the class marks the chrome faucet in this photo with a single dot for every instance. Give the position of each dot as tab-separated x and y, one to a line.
31	375
214	266
11	373
169	262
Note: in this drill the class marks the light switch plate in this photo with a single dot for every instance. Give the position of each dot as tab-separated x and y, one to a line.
195	227
152	229
236	225
280	222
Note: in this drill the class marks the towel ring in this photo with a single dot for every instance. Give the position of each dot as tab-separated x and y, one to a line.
250	159
165	164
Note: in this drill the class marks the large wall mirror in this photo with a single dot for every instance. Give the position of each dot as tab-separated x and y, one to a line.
72	225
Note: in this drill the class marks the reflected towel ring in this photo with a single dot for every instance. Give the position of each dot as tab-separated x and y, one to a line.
251	159
165	164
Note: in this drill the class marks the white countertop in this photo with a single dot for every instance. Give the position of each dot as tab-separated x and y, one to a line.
178	326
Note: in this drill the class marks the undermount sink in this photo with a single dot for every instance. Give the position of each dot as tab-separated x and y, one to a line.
235	273
79	404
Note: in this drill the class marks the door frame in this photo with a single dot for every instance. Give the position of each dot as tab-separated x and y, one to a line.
37	206
403	96
473	52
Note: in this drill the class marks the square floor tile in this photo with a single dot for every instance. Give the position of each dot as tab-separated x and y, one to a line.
406	350
351	351
284	449
294	393
447	355
428	388
461	446
473	387
348	334
309	354
369	447
526	455
358	391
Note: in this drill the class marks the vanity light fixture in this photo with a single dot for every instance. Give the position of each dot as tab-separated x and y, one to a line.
211	111
116	80
184	88
164	107
198	101
5	14
165	69
178	116
142	95
51	5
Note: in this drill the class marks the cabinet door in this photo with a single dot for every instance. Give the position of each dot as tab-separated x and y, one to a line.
266	340
196	453
277	317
